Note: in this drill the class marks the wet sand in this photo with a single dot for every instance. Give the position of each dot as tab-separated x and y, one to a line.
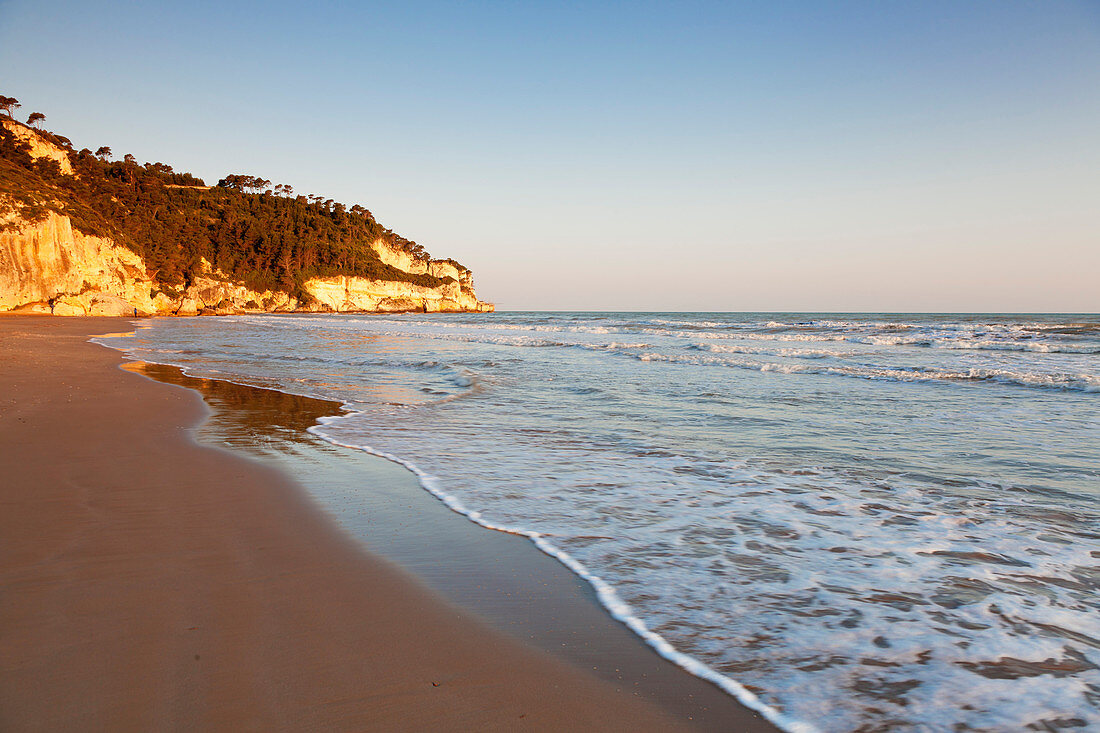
148	581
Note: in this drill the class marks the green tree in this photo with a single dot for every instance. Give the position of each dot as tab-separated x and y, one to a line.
244	183
158	167
35	118
9	105
103	153
129	163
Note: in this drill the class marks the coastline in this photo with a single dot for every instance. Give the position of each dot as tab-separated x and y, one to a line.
151	581
502	578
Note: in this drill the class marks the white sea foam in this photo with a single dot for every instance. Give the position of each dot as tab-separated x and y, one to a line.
1076	382
605	592
798	353
901	579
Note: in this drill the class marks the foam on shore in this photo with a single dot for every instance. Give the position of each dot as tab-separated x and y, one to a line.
606	594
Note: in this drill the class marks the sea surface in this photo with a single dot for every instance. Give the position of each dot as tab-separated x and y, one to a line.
852	522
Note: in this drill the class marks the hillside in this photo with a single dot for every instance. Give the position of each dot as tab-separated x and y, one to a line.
76	225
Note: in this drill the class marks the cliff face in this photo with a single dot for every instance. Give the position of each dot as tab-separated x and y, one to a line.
361	294
40	148
49	262
48	266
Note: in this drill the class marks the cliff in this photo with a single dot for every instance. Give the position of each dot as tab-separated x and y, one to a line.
48	265
38	146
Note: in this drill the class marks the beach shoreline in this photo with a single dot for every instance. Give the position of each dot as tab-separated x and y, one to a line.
502	578
151	581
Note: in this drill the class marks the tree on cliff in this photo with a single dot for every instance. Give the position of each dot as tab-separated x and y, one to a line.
103	153
35	118
362	211
129	164
9	105
244	183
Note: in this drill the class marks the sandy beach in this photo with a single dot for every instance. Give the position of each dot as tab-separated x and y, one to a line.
150	582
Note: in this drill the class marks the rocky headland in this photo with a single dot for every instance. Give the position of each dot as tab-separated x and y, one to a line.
50	196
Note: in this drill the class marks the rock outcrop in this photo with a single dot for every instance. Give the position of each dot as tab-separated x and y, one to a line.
361	294
48	266
422	264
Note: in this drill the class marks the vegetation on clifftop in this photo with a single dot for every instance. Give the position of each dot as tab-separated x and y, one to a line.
265	237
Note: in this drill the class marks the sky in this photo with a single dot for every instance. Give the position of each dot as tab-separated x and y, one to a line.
779	156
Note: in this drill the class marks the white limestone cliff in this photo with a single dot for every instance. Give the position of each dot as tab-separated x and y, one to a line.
50	267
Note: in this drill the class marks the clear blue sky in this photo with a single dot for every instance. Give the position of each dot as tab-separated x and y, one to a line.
673	155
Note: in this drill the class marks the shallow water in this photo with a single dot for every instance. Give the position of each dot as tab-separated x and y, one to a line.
868	521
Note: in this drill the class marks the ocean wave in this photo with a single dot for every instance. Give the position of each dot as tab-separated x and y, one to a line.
775	351
1032	346
1071	382
919	340
1035	337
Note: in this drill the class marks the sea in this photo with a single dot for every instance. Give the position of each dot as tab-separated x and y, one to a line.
849	522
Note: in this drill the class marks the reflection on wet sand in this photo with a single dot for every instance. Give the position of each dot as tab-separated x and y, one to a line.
249	418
